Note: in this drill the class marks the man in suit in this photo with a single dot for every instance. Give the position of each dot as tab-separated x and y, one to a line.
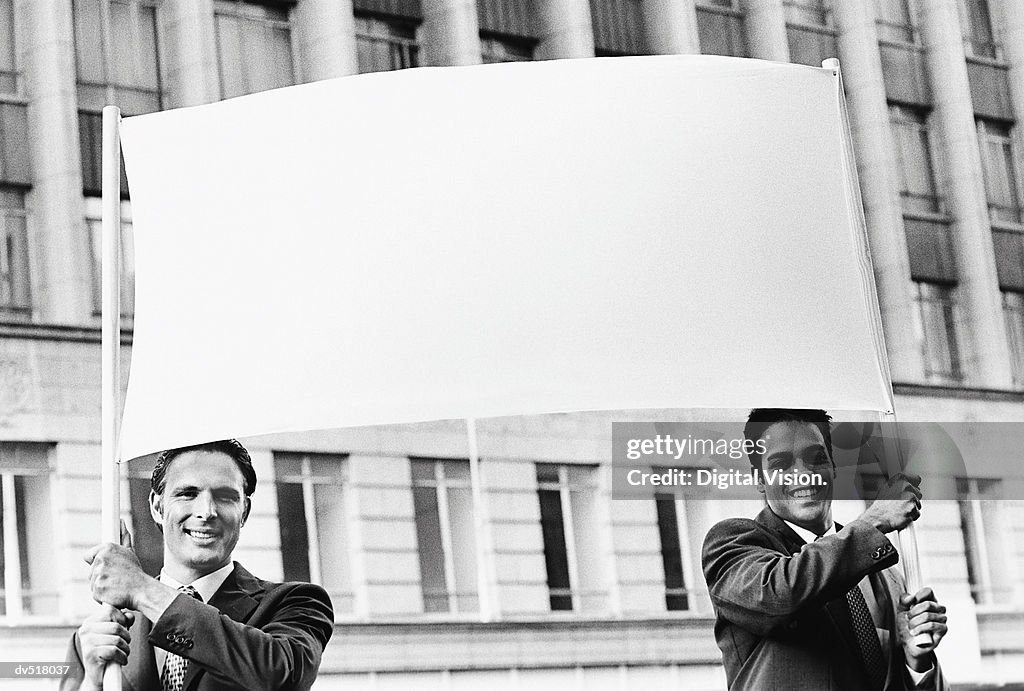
804	603
206	623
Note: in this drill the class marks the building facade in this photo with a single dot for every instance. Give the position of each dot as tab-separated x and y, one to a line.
580	591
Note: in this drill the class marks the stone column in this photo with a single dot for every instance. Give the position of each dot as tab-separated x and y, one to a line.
565	30
324	33
450	32
670	27
62	262
987	358
878	171
765	24
191	75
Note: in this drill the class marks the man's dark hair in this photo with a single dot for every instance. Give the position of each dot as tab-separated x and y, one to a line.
761	419
229	447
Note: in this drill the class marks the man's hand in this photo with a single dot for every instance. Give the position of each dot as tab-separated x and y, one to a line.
897	505
117	576
104	638
917	614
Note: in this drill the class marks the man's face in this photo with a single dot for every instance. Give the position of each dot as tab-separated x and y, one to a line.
201	509
798	447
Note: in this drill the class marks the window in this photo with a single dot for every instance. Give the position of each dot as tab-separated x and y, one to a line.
117	62
147	540
720	28
568	524
314	530
9	74
1013	314
618	27
1001	183
984	526
496	48
14	273
94	222
980	39
913	157
254	50
445	537
385	44
28	583
894	21
936	331
116	55
809	32
672	557
808	13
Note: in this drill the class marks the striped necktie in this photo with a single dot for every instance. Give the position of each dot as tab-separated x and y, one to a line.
175	666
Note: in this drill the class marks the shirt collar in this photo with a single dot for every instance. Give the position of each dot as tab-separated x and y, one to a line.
206	585
809	535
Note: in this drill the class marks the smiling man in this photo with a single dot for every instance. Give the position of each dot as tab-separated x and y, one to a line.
206	623
803	603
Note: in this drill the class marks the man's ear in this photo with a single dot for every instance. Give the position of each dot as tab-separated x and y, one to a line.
760	479
245	513
156	508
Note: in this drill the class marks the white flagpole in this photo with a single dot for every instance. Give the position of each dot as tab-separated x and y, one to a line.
907	538
482	583
110	415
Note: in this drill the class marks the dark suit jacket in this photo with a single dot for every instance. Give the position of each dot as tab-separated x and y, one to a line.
252	635
780	604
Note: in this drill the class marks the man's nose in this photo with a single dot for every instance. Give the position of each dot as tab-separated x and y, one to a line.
204	505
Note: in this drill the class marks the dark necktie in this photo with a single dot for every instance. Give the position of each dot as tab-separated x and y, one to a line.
175	666
867	637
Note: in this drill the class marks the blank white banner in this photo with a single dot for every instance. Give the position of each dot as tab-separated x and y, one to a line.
497	240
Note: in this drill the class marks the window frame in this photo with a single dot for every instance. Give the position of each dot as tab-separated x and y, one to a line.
996	133
14	530
307	480
925	294
94	229
1013	319
916	119
895	31
244	10
570	478
9	274
407	48
988	48
987	567
442	483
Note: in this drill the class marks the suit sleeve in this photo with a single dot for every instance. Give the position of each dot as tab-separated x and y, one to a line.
283	653
757	587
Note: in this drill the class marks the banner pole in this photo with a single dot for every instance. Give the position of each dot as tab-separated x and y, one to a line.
482	583
110	383
907	538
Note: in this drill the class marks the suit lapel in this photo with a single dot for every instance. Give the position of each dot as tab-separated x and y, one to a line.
791	542
836	610
238	597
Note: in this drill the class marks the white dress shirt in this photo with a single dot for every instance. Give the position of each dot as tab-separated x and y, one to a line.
206	586
874	608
